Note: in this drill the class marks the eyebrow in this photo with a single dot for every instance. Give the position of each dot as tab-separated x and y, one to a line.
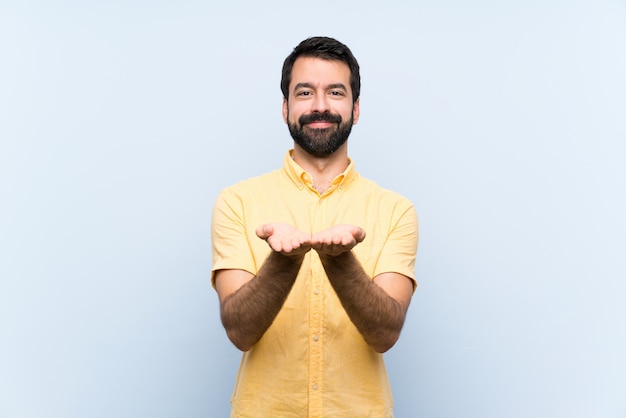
329	87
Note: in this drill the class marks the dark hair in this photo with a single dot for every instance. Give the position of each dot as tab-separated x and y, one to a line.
327	49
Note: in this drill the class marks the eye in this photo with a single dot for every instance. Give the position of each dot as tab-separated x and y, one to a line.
303	93
336	93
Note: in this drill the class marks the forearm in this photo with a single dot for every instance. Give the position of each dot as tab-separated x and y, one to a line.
377	316
249	312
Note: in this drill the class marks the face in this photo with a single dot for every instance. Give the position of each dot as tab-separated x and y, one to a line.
320	111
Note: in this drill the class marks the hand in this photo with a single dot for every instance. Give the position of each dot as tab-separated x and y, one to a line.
284	238
337	239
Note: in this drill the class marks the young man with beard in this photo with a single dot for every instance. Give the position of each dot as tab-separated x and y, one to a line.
312	263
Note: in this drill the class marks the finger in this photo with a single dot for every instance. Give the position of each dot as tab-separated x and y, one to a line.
304	239
279	245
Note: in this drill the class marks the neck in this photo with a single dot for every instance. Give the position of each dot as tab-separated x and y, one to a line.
323	168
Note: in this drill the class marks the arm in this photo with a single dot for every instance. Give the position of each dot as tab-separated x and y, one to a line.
376	307
248	303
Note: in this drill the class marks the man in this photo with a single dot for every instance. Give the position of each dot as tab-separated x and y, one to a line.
313	264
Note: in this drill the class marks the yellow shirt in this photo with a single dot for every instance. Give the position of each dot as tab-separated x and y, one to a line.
312	361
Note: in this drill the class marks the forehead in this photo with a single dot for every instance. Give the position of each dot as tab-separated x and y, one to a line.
319	72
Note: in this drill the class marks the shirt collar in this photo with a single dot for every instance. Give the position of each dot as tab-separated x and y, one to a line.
301	178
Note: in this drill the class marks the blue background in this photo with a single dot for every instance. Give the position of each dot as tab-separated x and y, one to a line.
503	121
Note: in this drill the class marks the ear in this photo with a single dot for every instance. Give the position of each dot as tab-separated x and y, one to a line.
285	110
356	111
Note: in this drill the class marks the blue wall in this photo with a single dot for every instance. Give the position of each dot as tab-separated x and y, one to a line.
503	122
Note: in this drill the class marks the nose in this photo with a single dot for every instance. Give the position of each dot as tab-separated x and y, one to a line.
320	103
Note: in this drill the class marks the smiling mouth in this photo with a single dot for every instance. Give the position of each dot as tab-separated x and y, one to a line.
320	124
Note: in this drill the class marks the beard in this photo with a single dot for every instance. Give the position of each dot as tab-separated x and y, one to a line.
320	142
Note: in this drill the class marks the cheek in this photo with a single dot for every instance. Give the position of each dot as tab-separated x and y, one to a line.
348	113
293	113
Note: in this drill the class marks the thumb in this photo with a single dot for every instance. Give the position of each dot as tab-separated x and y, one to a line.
358	233
265	231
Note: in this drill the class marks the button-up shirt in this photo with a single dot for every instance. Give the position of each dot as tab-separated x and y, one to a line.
312	361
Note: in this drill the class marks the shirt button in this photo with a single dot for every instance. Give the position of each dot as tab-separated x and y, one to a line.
316	338
315	387
316	291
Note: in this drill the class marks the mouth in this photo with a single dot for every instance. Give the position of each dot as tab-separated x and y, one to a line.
319	124
319	120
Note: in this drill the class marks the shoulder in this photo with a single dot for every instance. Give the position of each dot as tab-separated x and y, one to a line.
380	195
253	185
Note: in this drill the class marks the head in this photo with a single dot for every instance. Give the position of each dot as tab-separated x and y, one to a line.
321	86
327	49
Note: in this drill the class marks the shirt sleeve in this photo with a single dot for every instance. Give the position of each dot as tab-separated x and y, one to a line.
400	249
229	240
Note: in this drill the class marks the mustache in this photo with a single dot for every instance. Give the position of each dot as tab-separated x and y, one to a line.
319	117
